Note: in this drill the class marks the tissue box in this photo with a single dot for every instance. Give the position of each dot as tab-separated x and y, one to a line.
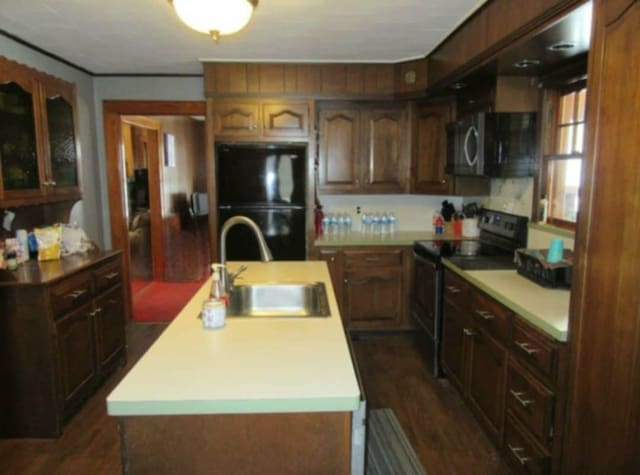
533	264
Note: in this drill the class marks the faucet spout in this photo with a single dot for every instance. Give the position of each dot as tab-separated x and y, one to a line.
265	253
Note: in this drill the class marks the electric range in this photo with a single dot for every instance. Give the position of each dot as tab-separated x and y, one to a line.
500	235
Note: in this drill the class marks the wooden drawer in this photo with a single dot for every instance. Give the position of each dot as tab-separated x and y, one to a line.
382	258
70	293
522	453
491	315
535	349
531	402
456	290
108	275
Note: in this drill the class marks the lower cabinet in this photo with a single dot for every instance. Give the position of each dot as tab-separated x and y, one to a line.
65	333
512	375
372	285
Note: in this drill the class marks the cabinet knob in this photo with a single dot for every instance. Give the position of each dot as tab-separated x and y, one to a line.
332	258
484	314
468	332
453	290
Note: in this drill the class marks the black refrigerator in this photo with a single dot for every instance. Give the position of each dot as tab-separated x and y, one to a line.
266	183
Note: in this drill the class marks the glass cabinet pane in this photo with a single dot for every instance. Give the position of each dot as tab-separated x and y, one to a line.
62	142
18	155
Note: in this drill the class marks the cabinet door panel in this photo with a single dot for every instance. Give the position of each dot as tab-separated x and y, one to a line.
76	353
385	151
63	153
18	135
487	379
430	149
109	312
373	298
236	119
453	337
286	120
339	148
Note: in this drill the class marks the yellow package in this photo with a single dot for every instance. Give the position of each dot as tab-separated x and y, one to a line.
49	242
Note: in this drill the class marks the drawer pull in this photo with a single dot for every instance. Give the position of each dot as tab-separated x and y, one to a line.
112	275
372	259
468	332
516	453
95	312
526	347
453	290
77	294
518	395
484	314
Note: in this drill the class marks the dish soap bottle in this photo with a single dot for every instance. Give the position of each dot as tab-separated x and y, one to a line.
214	309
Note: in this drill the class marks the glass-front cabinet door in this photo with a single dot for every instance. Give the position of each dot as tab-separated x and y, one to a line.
20	162
61	137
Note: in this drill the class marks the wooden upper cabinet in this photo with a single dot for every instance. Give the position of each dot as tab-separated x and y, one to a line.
61	145
363	149
38	137
384	164
339	148
238	119
411	76
285	120
430	149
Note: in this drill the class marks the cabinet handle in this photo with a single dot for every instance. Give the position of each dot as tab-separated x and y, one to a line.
332	258
518	395
444	182
484	314
52	183
468	332
76	294
516	453
526	347
372	259
95	312
112	275
453	290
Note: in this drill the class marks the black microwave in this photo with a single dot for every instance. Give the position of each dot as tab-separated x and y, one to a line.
493	144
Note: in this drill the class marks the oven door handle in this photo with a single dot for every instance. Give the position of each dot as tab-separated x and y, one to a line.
422	260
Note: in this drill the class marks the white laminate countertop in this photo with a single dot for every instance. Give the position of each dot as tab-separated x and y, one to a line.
398	238
547	309
252	365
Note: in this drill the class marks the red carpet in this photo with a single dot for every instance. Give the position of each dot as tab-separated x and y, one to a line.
161	301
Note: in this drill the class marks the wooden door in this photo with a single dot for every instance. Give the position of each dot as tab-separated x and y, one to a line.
373	297
430	152
604	397
76	353
487	380
339	149
236	119
385	166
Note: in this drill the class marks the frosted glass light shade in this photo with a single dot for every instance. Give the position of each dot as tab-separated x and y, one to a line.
215	17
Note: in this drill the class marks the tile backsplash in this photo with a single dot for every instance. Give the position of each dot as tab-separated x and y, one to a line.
511	195
413	212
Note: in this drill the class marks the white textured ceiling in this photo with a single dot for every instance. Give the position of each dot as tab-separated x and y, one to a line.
146	37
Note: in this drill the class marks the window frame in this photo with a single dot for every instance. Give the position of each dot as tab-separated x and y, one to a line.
551	108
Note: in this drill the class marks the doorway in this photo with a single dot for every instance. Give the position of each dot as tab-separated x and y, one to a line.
157	167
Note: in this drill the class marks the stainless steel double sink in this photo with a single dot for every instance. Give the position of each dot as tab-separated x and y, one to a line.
281	299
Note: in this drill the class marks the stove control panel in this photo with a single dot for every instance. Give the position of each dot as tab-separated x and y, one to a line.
504	224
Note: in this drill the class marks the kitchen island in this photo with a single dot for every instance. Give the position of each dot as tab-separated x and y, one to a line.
261	395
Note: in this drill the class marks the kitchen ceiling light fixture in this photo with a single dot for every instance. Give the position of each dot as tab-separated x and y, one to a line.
215	17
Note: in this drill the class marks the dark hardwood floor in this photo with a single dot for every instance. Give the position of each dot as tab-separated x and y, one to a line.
441	429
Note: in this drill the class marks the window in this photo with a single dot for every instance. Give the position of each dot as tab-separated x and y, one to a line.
564	154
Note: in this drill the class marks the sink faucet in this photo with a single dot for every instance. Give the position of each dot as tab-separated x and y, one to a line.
265	253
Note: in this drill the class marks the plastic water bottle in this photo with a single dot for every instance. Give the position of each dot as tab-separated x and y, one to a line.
325	224
393	222
333	224
347	223
375	223
364	223
384	223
